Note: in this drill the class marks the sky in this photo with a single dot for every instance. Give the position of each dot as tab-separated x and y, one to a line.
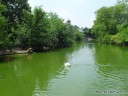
80	12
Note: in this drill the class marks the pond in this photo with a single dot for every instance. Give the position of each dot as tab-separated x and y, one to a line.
96	70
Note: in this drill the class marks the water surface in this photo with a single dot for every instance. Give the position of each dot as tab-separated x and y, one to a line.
96	70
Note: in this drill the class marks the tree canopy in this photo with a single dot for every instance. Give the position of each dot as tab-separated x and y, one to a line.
22	28
111	24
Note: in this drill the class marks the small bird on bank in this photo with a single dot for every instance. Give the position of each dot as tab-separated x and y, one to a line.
67	64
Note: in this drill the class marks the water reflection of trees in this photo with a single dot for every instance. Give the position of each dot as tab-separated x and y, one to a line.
29	74
107	55
112	67
5	59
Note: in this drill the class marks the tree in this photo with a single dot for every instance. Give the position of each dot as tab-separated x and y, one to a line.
88	32
4	37
62	33
39	32
79	36
107	22
14	14
15	9
24	30
65	35
19	27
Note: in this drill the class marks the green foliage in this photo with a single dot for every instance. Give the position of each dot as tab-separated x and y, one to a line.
65	35
14	15
15	8
79	36
105	21
4	37
107	39
88	33
122	36
39	31
23	39
111	24
55	26
19	27
23	31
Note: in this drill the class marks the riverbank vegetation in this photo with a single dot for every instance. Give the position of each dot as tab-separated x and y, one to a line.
88	33
111	24
21	27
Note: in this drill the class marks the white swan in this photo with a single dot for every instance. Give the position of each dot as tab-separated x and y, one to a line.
67	64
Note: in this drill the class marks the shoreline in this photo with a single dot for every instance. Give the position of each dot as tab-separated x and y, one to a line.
16	51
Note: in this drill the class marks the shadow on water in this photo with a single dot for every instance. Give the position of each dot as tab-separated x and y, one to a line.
5	59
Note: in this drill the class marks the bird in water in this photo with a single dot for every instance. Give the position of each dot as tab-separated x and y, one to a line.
67	64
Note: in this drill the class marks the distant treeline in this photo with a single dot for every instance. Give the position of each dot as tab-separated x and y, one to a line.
111	24
21	27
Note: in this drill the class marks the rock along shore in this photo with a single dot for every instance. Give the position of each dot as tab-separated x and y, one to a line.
17	51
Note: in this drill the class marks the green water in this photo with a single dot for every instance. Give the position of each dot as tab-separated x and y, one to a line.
96	70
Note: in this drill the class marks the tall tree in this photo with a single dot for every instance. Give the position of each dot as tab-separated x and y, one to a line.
39	32
14	14
110	25
15	9
4	37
